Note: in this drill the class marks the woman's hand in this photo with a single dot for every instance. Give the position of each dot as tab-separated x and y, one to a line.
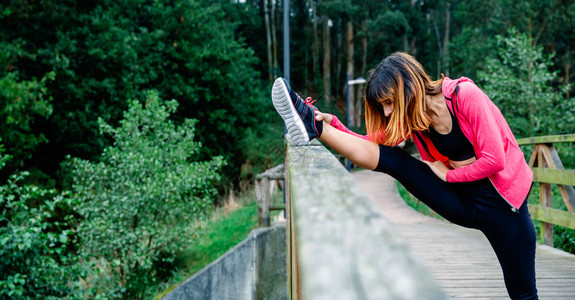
319	116
439	169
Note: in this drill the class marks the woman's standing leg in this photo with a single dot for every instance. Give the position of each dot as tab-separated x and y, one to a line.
513	238
422	183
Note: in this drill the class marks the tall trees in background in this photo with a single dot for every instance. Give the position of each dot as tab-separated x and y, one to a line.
520	82
94	55
66	64
449	37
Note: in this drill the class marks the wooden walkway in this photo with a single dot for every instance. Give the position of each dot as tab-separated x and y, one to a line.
461	259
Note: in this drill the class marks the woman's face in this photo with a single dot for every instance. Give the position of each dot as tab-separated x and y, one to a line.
387	107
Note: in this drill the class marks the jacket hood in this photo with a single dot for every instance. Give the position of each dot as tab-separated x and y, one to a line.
449	85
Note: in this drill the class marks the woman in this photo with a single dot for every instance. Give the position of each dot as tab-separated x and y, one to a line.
473	172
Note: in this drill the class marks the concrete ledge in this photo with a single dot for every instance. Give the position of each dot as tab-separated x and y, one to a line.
341	246
254	269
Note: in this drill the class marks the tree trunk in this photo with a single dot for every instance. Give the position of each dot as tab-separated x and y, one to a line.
274	40
413	40
350	72
446	37
326	60
440	47
268	40
340	55
567	74
315	40
405	43
364	47
362	70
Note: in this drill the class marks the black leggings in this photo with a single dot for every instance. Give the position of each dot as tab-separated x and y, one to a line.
475	205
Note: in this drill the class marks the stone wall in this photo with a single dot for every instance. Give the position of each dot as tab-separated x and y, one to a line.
254	269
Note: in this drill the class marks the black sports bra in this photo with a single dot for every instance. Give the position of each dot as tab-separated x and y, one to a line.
454	145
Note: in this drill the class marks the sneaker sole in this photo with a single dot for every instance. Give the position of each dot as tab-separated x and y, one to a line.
297	134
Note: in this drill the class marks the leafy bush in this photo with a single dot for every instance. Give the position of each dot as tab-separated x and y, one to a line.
520	82
34	253
22	104
140	199
106	51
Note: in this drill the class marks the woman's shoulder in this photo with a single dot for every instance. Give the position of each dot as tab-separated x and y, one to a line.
450	85
462	87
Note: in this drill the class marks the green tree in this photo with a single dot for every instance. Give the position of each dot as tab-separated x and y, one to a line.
35	243
23	103
139	201
105	51
519	81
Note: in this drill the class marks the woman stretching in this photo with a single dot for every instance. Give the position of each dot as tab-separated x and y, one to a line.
473	172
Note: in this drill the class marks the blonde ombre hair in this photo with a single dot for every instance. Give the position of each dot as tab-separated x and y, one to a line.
399	78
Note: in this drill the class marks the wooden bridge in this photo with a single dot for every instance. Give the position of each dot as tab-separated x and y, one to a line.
350	236
461	259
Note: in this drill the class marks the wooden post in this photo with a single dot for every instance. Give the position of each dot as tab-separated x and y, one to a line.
259	200
266	187
567	192
266	201
544	197
548	169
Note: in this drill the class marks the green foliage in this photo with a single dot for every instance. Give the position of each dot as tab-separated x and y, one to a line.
263	148
213	239
520	83
564	239
22	104
105	51
412	202
138	202
35	256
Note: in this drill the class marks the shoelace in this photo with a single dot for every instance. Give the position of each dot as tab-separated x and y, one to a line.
309	101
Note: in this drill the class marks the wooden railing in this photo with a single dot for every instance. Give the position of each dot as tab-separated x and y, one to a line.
548	169
268	184
339	244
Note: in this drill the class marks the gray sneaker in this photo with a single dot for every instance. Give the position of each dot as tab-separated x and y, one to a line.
298	114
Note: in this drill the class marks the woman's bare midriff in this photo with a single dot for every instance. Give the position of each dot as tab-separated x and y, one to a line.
462	163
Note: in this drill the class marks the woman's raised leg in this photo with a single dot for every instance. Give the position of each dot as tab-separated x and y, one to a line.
301	125
361	152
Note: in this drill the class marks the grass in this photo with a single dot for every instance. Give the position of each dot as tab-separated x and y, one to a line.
411	201
227	228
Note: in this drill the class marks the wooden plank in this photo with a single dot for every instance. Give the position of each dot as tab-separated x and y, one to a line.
547	139
567	192
553	216
533	159
271	176
544	199
562	177
568	195
266	202
461	259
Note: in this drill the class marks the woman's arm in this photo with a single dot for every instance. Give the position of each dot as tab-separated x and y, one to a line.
481	118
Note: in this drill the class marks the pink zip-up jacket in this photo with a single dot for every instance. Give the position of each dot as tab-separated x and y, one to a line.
499	158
